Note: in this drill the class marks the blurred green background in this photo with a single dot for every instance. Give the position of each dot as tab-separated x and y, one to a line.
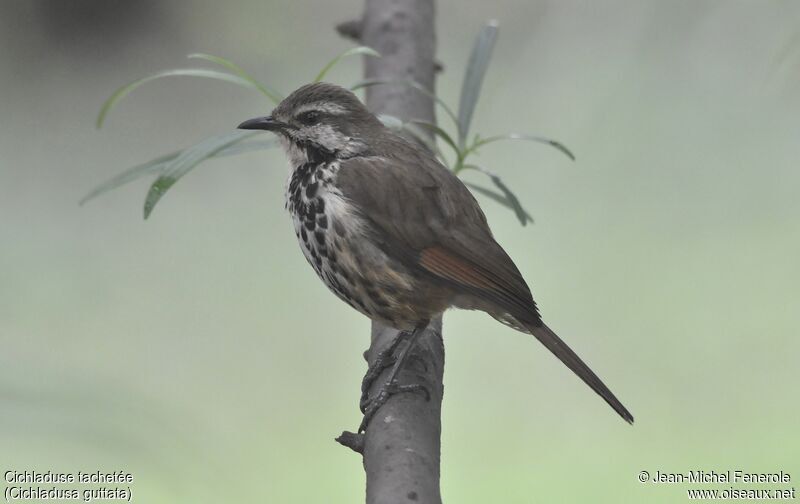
200	353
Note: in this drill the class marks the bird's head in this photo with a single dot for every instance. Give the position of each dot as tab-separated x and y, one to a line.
318	122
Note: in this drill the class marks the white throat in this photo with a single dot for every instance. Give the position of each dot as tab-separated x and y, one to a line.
296	155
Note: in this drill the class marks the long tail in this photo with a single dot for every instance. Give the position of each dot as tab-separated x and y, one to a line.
571	359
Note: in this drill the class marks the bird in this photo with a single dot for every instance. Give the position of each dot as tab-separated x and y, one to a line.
393	232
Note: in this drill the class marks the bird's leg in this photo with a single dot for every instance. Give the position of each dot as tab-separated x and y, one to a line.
384	359
391	387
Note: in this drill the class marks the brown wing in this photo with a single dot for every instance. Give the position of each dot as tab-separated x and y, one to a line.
424	216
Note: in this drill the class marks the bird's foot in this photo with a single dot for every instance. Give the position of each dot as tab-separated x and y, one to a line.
386	358
386	391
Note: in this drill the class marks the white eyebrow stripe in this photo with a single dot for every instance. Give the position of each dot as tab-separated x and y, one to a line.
326	107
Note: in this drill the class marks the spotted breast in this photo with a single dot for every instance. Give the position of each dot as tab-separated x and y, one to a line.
331	235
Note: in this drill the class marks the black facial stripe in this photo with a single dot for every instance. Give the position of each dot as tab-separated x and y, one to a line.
316	154
310	117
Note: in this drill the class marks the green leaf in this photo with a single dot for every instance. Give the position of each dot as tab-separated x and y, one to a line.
408	82
241	147
510	199
425	140
186	160
367	51
190	72
391	122
497	197
236	69
438	132
151	167
473	77
159	164
522	136
396	124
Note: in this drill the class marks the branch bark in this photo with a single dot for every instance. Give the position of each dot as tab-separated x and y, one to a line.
402	443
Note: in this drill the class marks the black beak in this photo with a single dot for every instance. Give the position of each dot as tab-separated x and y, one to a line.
262	123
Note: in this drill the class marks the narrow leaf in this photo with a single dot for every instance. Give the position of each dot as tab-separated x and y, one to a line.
499	198
151	167
367	51
241	147
391	122
438	132
190	72
236	69
414	84
396	124
426	140
521	136
188	159
473	77
159	164
511	198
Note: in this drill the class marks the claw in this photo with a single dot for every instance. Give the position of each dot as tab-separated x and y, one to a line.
384	359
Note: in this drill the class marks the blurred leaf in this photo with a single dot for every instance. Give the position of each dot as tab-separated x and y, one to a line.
473	77
236	69
368	51
241	147
186	160
425	140
395	123
159	164
391	121
151	167
499	198
408	82
438	132
522	136
190	72
510	198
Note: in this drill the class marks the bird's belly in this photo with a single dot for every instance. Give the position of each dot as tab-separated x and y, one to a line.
334	240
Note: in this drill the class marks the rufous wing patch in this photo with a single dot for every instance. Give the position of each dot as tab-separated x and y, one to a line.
451	266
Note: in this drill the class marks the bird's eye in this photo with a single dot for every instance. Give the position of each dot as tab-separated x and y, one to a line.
310	117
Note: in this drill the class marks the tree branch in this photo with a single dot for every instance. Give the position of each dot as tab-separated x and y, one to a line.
402	443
